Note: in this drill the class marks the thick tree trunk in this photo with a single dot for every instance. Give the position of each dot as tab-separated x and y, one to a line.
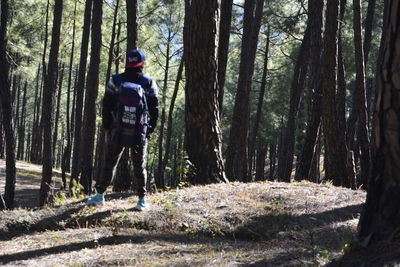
48	105
362	132
80	89
201	109
92	87
380	218
314	118
335	162
263	87
236	154
223	47
6	109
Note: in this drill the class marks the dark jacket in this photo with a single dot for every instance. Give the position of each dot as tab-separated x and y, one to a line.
134	76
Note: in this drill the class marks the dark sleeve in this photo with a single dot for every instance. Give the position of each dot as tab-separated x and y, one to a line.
153	105
108	105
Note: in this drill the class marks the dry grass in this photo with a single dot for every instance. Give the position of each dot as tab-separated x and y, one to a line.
262	224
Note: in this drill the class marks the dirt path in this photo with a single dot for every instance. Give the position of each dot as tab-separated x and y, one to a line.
261	224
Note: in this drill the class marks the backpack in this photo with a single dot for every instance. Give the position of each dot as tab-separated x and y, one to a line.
130	114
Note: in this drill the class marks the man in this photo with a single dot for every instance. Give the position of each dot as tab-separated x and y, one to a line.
133	76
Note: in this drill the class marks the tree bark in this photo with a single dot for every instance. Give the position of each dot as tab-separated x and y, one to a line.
201	109
132	25
92	87
80	89
55	136
335	162
361	104
50	86
263	86
21	135
236	154
380	218
369	22
285	161
6	108
171	113
223	47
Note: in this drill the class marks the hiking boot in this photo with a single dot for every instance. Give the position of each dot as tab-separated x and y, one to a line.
97	199
141	205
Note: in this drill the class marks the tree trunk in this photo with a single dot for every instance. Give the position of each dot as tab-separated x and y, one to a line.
171	113
201	109
66	161
55	136
263	86
223	47
6	109
380	218
272	160
335	162
123	173
369	22
236	154
362	132
80	89
132	25
21	135
285	161
50	86
101	135
260	163
92	87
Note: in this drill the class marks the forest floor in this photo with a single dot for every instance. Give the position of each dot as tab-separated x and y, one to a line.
260	224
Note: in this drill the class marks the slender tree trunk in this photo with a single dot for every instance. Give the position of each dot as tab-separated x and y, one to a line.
335	162
80	89
171	113
236	154
21	135
201	109
263	86
160	183
362	132
48	105
1	136
260	163
380	218
55	136
92	84
66	160
223	47
285	161
272	160
6	109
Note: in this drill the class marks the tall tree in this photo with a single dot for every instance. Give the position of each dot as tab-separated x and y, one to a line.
369	21
380	218
285	161
335	162
201	111
263	87
316	15
132	24
92	87
6	108
50	86
223	46
80	89
66	161
236	154
361	104
21	127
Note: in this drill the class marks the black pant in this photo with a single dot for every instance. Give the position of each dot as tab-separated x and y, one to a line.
112	155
